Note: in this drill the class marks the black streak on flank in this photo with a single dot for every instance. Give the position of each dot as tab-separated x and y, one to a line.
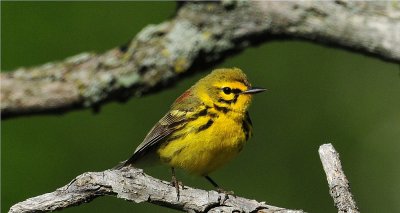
213	115
246	128
201	113
205	126
248	119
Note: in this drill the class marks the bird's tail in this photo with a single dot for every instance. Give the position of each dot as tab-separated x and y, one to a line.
150	159
121	165
125	163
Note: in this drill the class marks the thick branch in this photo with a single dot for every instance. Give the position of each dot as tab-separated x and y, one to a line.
201	34
133	185
339	187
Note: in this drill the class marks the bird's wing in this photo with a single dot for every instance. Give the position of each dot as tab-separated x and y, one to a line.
170	123
175	119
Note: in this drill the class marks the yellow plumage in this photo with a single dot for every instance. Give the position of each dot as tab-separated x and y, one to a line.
206	127
202	152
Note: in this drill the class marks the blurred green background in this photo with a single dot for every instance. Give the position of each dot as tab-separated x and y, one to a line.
317	95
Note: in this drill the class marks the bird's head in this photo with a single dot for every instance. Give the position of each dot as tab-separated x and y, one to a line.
228	88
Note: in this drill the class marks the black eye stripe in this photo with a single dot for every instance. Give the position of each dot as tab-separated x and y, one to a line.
228	90
236	91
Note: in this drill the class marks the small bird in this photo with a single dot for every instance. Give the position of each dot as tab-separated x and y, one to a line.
206	126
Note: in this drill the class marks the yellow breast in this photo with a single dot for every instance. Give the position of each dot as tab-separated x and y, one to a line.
205	144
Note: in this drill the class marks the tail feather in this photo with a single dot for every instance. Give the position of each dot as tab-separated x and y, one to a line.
151	159
126	163
121	165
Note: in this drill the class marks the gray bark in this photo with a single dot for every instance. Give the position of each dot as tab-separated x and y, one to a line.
200	35
133	185
339	187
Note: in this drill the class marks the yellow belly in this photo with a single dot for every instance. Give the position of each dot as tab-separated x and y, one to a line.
202	152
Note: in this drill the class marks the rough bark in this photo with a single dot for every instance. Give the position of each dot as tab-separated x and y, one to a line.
339	187
133	185
200	35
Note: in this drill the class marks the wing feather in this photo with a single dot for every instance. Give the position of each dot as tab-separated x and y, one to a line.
184	109
170	123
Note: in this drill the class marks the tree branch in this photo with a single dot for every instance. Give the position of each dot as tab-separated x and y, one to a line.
200	35
339	187
132	184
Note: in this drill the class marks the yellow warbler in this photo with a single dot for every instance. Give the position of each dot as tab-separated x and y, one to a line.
205	127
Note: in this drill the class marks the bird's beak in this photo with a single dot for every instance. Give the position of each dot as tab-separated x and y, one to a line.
254	90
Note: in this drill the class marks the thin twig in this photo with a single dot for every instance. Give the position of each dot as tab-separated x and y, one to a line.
339	187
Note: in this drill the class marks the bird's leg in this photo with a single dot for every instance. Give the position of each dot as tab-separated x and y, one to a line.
175	182
217	187
212	181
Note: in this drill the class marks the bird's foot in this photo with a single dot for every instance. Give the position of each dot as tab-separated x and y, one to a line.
221	190
175	183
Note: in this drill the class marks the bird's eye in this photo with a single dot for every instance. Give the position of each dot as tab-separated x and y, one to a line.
227	90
